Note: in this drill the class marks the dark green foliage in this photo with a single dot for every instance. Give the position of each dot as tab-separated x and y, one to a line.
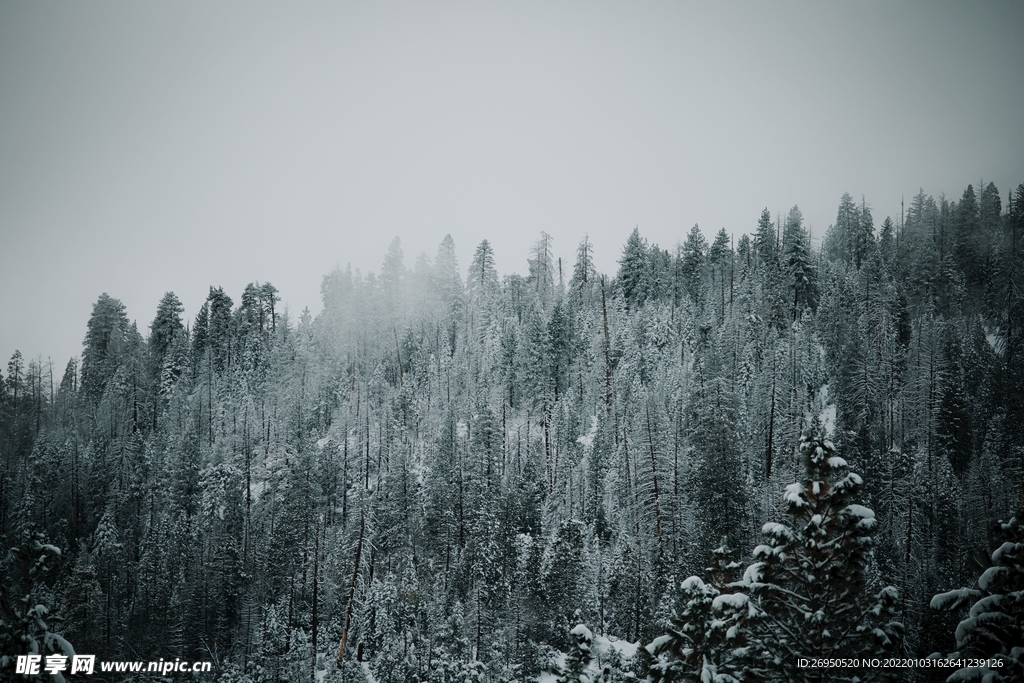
721	504
634	270
691	265
451	477
219	330
579	656
706	639
106	345
165	328
993	630
809	585
766	239
27	624
564	583
802	274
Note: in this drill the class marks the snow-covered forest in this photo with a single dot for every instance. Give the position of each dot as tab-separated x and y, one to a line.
722	458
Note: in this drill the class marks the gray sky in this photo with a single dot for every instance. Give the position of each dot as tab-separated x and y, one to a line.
147	147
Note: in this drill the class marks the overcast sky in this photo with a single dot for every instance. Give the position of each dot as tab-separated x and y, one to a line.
148	147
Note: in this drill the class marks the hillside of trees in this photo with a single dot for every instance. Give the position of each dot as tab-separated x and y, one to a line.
727	454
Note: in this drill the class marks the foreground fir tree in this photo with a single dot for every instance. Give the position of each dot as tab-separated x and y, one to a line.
25	621
577	661
809	587
706	642
994	628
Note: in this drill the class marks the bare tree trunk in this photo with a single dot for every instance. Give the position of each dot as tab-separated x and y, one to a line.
352	590
636	606
607	357
654	475
316	586
771	426
291	612
906	564
476	653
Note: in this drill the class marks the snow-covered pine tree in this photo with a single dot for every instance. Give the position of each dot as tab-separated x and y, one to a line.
766	240
803	276
717	476
565	583
634	271
577	660
25	622
810	585
706	641
691	264
994	627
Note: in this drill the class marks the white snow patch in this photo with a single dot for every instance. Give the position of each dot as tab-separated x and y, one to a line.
828	418
605	644
990	575
256	490
582	631
692	583
828	412
951	598
587	440
625	648
753	573
860	511
461	429
731	600
794	494
1006	547
323	442
657	643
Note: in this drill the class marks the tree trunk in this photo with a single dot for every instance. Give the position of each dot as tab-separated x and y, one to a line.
654	475
607	356
352	590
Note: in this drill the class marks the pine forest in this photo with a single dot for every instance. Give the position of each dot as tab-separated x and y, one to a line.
724	458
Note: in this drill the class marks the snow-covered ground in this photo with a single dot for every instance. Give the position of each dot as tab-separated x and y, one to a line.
601	649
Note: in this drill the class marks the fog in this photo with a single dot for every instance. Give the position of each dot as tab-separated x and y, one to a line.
152	147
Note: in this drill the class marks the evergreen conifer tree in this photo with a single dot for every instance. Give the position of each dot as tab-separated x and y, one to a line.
25	621
633	277
164	328
104	345
803	277
706	640
584	275
766	240
219	330
577	660
993	631
483	278
692	263
810	586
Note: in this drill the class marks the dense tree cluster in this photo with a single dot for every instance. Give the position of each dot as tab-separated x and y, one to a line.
441	478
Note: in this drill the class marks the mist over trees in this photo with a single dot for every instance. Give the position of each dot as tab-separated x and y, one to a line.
442	477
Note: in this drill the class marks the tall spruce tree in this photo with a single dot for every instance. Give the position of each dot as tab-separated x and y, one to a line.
991	637
811	584
105	345
634	270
